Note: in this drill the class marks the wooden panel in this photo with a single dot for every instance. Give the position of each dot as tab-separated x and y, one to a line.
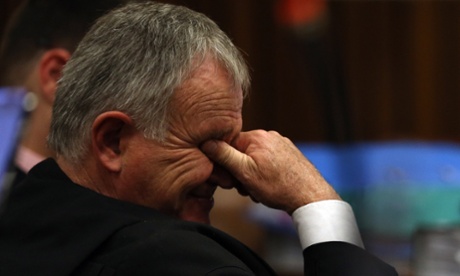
393	69
7	9
401	63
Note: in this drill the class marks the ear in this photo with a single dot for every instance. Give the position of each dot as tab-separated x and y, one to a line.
50	71
109	131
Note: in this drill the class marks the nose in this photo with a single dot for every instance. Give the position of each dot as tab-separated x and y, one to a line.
222	178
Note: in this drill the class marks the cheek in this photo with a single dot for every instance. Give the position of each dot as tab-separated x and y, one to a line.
195	169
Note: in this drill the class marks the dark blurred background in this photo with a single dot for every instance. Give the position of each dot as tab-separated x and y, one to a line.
365	70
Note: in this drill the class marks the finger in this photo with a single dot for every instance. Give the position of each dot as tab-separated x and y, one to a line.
241	190
227	156
221	177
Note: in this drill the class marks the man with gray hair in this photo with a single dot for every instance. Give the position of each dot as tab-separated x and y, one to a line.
146	125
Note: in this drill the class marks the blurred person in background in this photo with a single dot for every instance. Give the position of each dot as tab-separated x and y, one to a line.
39	40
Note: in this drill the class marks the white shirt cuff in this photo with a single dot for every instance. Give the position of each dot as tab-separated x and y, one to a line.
324	221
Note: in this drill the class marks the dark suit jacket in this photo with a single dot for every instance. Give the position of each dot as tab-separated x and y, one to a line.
19	176
54	227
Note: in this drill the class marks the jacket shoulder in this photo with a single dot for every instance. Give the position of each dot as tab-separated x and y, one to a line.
340	258
177	248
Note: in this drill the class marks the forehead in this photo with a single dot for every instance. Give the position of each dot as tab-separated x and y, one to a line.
209	71
208	102
208	85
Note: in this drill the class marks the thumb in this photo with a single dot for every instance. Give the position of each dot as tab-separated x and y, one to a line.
227	156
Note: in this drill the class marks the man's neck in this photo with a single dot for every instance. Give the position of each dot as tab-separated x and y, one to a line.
90	175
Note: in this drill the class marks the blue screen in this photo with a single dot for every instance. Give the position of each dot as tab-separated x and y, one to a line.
11	119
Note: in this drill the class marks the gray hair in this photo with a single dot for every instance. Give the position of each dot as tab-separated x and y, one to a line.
132	60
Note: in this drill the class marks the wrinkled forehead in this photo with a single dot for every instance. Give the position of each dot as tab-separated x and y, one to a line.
210	63
208	80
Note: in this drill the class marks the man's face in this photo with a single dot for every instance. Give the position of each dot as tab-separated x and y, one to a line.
175	176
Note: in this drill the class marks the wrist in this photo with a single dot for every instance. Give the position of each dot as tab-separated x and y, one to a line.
313	196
